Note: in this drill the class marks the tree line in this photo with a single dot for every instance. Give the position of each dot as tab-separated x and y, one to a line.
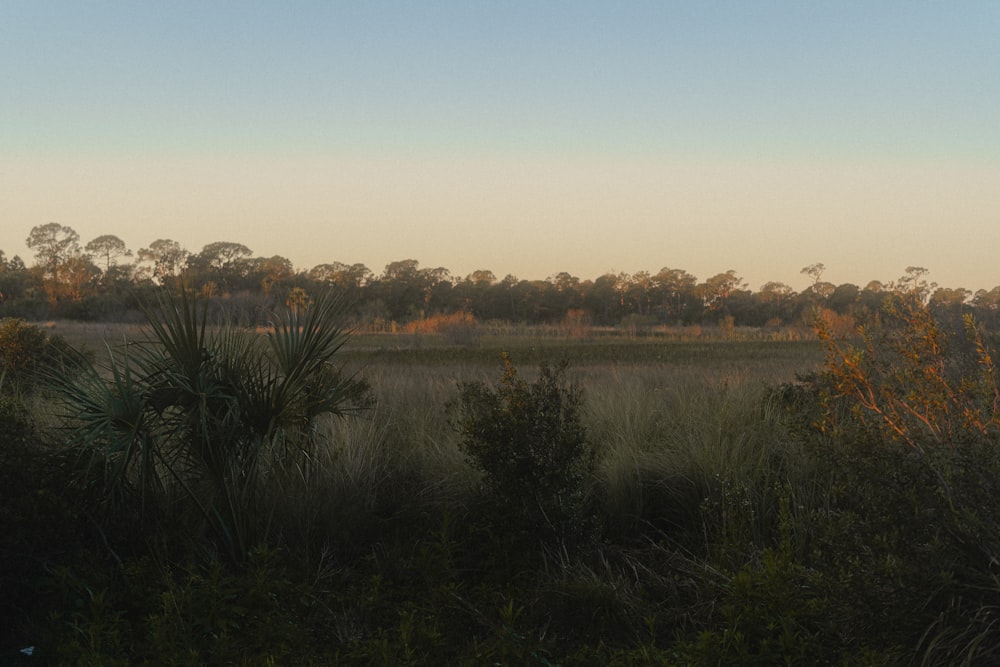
103	279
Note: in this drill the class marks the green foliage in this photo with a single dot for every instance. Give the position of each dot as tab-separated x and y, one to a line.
768	616
737	531
26	351
905	546
530	444
900	533
208	413
213	615
92	630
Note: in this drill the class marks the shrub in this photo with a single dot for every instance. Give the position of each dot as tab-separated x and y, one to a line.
530	444
903	534
26	351
912	379
458	328
209	413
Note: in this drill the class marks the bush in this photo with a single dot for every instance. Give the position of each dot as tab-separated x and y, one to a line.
912	378
528	441
900	539
212	414
26	351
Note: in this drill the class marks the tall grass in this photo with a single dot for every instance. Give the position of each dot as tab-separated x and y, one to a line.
671	441
210	413
378	513
675	444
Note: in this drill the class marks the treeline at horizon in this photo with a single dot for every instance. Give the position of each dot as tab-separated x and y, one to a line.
105	280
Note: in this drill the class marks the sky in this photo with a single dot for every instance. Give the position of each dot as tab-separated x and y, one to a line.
523	137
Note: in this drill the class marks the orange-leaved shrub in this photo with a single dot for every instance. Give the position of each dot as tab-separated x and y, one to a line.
917	378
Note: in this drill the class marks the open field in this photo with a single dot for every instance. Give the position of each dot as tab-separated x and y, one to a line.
661	357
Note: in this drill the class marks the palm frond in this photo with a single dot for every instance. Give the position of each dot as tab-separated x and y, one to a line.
211	412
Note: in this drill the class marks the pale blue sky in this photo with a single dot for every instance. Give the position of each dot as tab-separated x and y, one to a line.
521	137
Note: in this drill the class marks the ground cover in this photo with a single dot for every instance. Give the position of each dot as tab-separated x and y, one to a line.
719	521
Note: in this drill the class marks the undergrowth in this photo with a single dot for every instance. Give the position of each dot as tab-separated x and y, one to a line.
640	518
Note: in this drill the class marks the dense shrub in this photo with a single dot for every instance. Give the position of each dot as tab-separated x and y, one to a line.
912	377
530	444
899	535
26	352
43	526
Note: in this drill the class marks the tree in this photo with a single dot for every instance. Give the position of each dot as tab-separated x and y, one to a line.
773	299
674	289
223	262
403	287
945	297
506	291
603	299
349	280
482	277
13	277
639	289
914	282
871	297
437	286
815	271
224	255
166	256
717	289
53	244
775	292
822	289
565	282
77	277
403	270
844	298
107	249
988	299
327	273
473	293
949	304
913	377
272	271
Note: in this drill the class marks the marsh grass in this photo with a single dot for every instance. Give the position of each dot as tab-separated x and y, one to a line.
693	463
676	446
676	422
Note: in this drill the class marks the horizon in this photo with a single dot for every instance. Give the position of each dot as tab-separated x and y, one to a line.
807	273
519	138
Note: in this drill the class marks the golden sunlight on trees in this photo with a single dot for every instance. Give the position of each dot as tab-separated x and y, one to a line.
54	245
913	377
97	282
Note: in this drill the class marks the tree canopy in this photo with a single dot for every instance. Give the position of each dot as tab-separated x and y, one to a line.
100	281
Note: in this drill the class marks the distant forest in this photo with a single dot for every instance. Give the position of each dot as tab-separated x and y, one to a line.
105	280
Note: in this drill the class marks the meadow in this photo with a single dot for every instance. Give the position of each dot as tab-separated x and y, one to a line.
710	518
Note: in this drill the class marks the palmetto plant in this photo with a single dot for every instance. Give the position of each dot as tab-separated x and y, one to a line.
213	412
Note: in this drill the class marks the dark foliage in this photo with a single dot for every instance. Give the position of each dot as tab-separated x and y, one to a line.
528	441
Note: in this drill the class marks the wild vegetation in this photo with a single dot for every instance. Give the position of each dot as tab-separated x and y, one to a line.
208	489
103	280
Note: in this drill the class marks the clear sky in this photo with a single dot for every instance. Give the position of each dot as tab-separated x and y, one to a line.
524	137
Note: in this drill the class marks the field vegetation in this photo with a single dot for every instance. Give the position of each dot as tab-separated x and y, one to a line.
188	491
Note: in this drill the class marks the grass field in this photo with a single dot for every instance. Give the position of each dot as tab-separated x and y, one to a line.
662	357
715	525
